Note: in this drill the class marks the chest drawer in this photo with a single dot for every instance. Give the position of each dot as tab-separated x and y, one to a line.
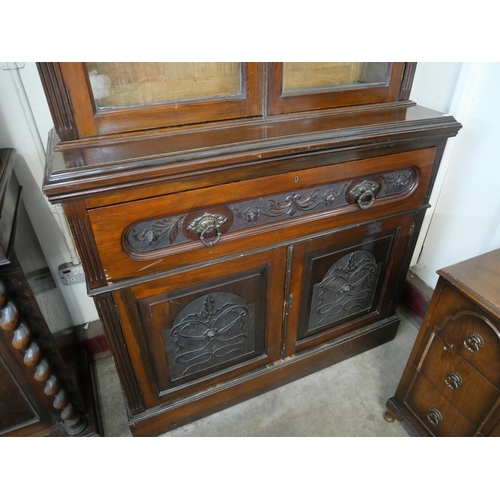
471	333
434	411
147	236
458	381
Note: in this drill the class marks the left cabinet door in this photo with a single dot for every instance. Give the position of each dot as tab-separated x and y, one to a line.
116	97
199	328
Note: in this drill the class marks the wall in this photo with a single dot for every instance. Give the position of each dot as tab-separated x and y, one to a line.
24	126
465	217
437	86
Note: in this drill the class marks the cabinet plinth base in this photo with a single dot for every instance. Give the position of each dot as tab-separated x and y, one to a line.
163	419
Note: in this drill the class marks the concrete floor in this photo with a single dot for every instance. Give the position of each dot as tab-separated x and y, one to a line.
344	400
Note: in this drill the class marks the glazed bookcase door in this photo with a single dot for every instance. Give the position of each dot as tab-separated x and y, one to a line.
306	86
201	327
111	98
344	281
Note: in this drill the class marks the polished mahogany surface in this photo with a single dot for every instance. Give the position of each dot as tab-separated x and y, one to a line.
227	256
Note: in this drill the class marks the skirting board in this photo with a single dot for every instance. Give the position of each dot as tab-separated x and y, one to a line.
416	295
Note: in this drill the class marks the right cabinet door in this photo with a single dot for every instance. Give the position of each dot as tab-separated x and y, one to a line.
344	281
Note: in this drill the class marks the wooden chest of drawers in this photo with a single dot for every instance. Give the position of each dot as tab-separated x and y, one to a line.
451	385
229	257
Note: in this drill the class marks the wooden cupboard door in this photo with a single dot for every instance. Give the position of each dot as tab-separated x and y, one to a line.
198	328
344	281
110	98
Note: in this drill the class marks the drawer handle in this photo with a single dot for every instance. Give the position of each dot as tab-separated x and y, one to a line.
364	193
453	380
206	224
434	416
474	342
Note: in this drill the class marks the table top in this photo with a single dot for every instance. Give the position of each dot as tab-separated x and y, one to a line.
478	278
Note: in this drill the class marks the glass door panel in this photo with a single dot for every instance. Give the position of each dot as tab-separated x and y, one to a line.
309	86
298	76
120	97
132	84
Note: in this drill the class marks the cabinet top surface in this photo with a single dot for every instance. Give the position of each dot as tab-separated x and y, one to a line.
259	131
478	278
73	169
279	136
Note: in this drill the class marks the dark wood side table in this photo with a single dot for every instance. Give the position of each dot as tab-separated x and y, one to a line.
47	386
451	384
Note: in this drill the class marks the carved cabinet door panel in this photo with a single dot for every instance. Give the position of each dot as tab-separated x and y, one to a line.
192	330
344	281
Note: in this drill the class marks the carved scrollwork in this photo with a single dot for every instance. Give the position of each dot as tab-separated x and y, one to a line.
24	341
209	331
348	287
292	204
150	235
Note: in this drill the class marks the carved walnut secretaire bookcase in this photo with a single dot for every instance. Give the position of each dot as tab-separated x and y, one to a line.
241	225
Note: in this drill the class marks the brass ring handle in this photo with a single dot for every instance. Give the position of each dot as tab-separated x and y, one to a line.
206	224
365	193
210	242
474	342
366	200
434	416
453	380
